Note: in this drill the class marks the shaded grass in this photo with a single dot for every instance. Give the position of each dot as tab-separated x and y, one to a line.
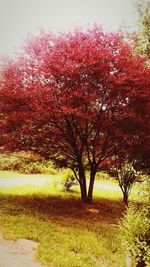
63	206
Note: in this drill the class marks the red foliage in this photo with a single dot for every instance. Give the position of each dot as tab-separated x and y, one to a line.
78	98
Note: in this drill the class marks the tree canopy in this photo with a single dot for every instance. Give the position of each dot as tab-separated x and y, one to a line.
76	98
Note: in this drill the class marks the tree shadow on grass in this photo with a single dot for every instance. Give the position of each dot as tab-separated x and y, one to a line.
67	207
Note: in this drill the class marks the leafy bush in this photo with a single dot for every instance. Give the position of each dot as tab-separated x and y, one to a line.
135	228
146	189
26	162
103	175
68	180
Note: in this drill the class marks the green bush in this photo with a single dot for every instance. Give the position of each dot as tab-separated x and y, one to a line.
146	189
103	175
135	228
68	180
26	162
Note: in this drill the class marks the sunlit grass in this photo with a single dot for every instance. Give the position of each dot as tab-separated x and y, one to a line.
50	185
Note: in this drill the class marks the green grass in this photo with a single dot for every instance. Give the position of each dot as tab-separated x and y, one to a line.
69	232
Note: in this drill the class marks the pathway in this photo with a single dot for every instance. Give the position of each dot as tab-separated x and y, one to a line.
18	253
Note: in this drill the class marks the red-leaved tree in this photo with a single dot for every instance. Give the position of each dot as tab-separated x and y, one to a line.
76	98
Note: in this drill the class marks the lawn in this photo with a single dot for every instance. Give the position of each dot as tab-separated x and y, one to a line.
70	233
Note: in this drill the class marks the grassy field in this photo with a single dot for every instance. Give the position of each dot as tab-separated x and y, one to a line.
70	233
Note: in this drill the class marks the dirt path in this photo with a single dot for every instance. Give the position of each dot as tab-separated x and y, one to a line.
18	253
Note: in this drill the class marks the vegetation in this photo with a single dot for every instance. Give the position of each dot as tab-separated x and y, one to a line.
26	162
68	180
88	235
62	227
147	189
64	179
124	173
126	176
135	227
77	100
70	104
142	42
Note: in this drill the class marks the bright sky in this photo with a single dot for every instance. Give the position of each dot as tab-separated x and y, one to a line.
20	17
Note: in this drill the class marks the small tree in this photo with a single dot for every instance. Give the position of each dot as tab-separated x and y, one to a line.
124	173
126	176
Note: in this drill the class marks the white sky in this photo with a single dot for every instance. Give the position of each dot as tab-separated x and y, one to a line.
19	17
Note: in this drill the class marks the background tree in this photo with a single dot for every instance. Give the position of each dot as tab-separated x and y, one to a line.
75	99
126	176
142	47
142	40
124	173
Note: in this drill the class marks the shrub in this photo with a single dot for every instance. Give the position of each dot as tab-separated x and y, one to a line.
126	176
135	228
103	175
68	180
146	189
26	162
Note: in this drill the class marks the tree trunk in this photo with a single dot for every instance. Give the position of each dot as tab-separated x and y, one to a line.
141	264
83	192
125	197
91	185
82	181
